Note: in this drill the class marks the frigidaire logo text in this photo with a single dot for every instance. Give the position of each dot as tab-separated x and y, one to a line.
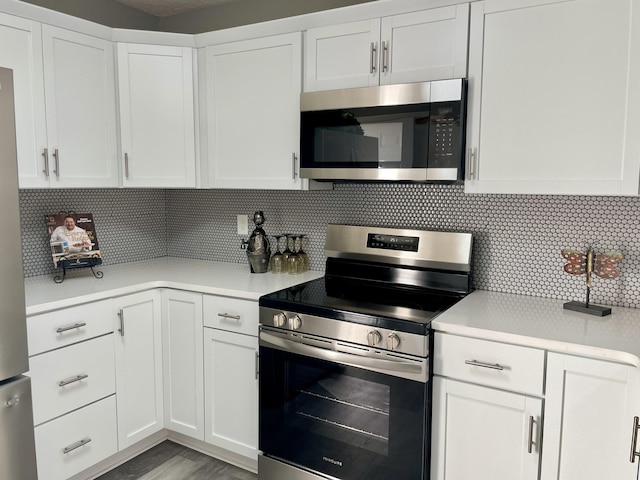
331	460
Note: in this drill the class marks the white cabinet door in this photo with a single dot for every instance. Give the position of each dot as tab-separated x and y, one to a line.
589	413
139	367
183	362
427	45
253	113
80	104
483	433
554	97
231	391
21	51
342	56
412	47
156	98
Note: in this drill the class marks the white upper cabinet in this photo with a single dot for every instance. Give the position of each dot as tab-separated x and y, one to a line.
554	97
156	100
80	104
412	47
253	113
21	51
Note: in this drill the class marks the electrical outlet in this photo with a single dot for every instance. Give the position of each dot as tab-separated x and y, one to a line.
243	224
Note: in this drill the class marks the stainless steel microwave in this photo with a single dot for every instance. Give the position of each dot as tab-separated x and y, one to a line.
401	133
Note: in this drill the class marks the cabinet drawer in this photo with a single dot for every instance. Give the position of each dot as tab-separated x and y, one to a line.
70	325
231	314
71	377
509	367
91	430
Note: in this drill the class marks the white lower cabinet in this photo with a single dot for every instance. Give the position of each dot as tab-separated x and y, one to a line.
74	442
138	349
182	352
589	419
231	391
484	433
481	430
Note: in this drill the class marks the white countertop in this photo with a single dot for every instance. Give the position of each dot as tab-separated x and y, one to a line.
217	278
517	319
543	323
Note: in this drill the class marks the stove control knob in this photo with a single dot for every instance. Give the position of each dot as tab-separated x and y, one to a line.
393	341
295	322
374	337
279	320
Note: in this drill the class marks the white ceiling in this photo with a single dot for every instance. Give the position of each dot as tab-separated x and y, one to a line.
165	8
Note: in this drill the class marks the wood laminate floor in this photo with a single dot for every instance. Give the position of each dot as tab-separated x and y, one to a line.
170	461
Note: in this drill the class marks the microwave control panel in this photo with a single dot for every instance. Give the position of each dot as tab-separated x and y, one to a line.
445	136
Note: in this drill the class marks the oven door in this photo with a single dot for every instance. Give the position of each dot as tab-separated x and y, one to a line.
340	420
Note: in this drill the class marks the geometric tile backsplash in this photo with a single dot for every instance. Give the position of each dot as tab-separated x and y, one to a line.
517	238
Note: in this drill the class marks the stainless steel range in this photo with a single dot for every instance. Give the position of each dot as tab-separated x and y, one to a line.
345	368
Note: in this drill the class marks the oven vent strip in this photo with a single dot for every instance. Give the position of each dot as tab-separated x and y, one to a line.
346	427
342	402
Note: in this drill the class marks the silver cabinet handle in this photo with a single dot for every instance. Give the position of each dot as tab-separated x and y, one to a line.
66	328
45	154
471	163
126	165
12	401
78	444
294	159
121	315
385	56
257	365
634	440
70	380
532	421
475	363
56	156
372	63
232	317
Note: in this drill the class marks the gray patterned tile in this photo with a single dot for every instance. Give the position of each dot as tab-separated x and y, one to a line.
518	238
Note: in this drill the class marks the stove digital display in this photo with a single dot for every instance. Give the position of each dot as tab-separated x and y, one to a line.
392	242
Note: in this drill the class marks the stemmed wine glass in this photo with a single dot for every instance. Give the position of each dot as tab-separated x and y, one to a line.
294	261
278	260
287	244
303	254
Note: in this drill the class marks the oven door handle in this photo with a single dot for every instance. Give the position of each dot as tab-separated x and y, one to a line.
391	365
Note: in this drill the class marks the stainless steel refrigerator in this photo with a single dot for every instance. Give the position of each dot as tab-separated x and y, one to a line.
17	447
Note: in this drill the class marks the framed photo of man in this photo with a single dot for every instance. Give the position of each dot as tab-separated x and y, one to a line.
73	240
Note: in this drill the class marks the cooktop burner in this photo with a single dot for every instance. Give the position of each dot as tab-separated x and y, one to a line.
404	309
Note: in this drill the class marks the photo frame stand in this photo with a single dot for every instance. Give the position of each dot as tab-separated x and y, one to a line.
78	263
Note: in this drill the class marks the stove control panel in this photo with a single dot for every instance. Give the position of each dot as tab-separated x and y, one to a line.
393	242
378	339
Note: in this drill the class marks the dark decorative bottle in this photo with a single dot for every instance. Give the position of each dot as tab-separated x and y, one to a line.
258	250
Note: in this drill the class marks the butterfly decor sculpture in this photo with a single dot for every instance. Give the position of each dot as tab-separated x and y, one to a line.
603	265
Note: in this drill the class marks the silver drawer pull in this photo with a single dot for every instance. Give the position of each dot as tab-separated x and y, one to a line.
232	317
475	363
12	401
70	380
71	327
78	444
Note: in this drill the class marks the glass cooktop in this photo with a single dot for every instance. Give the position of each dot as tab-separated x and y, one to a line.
387	306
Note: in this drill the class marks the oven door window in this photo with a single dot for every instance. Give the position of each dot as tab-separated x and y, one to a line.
341	421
